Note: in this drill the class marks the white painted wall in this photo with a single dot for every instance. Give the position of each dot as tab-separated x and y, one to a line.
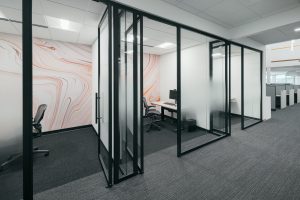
94	81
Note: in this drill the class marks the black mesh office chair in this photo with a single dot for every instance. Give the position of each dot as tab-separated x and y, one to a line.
153	115
37	127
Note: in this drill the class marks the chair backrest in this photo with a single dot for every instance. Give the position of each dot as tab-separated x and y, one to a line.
40	113
145	104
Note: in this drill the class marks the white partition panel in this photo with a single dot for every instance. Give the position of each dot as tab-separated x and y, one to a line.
291	98
283	99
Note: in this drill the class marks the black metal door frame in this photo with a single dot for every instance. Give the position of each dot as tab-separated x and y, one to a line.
116	61
107	172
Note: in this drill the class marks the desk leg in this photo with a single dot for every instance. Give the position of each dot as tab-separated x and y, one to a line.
162	111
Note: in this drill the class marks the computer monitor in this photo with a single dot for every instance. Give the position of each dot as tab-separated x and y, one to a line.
173	95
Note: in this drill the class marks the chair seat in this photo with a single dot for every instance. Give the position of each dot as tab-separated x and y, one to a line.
153	112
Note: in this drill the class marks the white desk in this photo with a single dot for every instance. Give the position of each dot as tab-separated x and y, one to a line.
164	106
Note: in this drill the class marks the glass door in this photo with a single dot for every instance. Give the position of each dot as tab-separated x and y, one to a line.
126	99
104	107
219	119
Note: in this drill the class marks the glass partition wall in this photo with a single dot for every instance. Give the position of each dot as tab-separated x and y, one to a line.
204	90
119	99
202	68
104	107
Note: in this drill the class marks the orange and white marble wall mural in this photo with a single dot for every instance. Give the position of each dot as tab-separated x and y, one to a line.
151	77
62	79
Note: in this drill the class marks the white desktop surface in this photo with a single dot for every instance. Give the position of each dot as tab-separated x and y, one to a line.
163	104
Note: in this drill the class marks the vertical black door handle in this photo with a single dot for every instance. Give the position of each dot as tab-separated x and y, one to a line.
96	108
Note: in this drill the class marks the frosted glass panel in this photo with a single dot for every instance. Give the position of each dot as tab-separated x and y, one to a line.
11	133
252	87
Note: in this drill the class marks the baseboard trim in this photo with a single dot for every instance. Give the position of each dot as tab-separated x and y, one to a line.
66	129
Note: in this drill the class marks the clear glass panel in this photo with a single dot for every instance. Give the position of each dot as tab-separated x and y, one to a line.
104	94
236	79
160	80
11	113
126	98
252	87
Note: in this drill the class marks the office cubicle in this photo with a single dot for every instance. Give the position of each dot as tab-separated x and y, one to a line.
271	92
14	73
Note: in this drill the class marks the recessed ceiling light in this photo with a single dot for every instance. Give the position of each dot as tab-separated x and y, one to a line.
166	45
297	29
63	24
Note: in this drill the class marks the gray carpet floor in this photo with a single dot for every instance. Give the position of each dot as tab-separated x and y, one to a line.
259	163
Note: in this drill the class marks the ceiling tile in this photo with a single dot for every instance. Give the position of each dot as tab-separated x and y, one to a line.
92	19
38	19
16	4
232	12
37	7
96	7
7	27
201	4
88	35
61	35
12	13
270	7
270	36
38	32
64	12
80	4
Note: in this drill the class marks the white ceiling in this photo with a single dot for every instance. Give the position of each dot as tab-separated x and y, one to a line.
233	13
87	13
157	33
279	34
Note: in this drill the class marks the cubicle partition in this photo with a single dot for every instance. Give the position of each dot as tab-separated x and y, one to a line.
297	93
271	91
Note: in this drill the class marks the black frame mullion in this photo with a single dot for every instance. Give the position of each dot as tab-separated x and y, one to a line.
226	89
107	172
229	75
242	88
116	61
27	99
135	95
141	93
178	37
116	56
